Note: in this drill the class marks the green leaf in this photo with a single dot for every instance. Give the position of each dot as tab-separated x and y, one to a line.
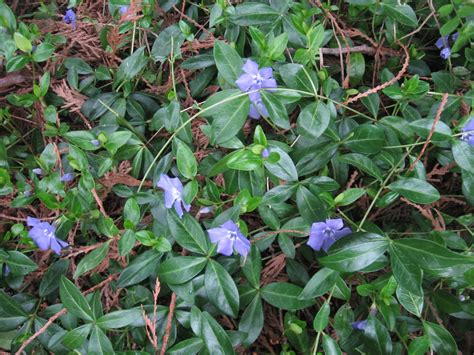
330	346
91	260
349	196
19	263
131	66
253	13
139	269
76	337
188	233
252	320
363	163
99	343
295	76
320	283
168	41
367	139
276	109
16	63
313	120
215	338
221	289
244	159
450	26
463	154
181	269
403	14
441	341
131	211
285	296
434	258
406	272
252	266
228	62
185	160
11	313
42	52
412	302
356	68
119	319
380	341
82	139
419	346
309	205
423	128
284	168
321	320
49	282
7	17
189	346
22	42
74	301
355	252
415	190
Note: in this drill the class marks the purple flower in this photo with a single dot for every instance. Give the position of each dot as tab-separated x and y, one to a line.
229	238
27	193
6	270
173	194
442	42
445	53
265	153
455	36
67	177
95	142
324	234
123	9
44	235
256	108
359	325
255	79
468	132
38	171
70	18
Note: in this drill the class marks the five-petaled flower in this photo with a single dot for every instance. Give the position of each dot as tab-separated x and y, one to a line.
442	43
359	325
44	235
324	234
70	18
253	80
468	132
229	238
173	194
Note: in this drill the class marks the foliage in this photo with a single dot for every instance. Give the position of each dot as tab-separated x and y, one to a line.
336	218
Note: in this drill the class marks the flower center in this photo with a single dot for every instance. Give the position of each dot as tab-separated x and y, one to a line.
48	234
232	235
175	193
257	79
329	233
467	135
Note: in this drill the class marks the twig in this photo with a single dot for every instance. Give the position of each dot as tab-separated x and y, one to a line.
150	327
443	102
168	324
99	202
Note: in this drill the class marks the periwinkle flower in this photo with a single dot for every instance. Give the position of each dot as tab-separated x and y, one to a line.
38	171
359	325
27	193
442	42
455	36
6	270
324	234
123	9
468	132
44	235
70	18
95	142
173	194
265	153
229	238
255	79
445	53
67	177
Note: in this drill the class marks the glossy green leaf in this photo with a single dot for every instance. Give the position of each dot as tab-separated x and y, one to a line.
285	296
415	190
180	269
91	260
221	289
228	61
74	301
313	120
441	341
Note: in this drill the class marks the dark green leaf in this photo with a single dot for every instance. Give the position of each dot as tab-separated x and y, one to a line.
180	269
285	296
74	301
221	289
415	190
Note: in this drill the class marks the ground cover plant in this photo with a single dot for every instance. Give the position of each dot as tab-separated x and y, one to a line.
219	177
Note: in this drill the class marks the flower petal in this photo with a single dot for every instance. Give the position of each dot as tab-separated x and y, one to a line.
335	224
178	208
343	232
216	234
269	84
230	226
42	241
253	113
244	82
266	72
165	182
169	199
250	67
225	246
315	241
242	246
32	222
55	246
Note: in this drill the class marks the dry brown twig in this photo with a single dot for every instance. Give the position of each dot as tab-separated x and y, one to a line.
443	103
150	326
168	324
